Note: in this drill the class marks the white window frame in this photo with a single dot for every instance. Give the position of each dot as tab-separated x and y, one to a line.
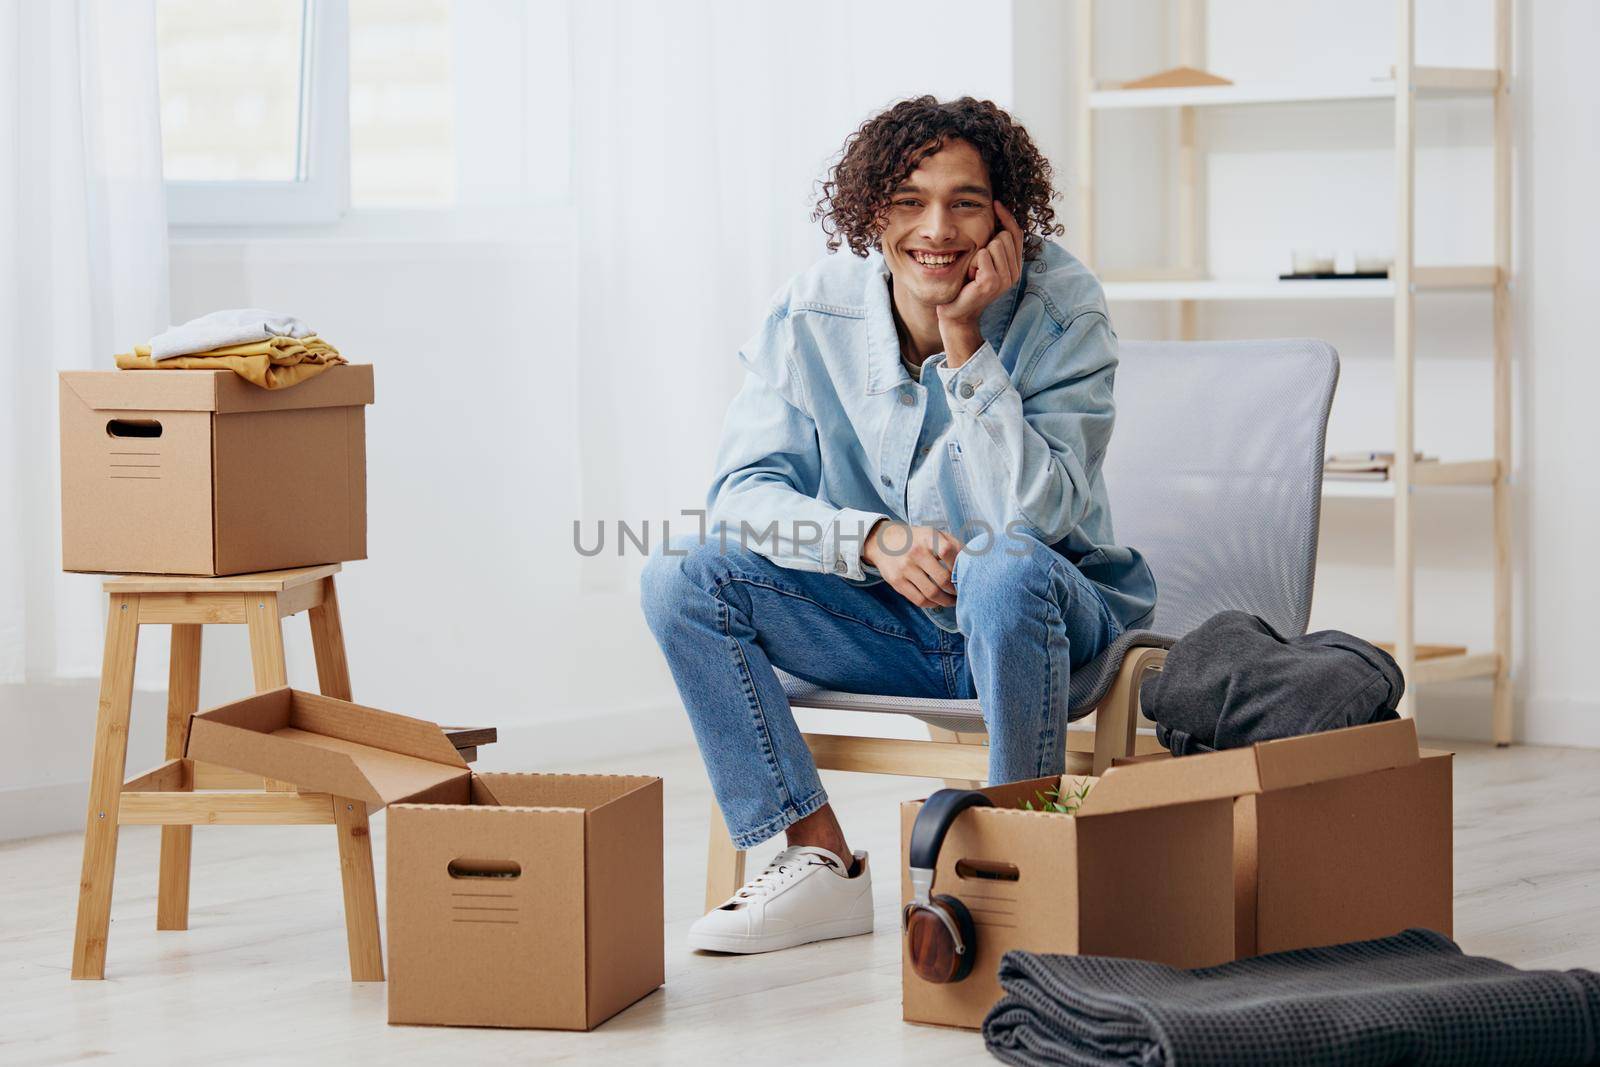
321	193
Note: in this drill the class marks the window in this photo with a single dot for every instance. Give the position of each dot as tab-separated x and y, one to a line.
231	89
278	112
253	127
402	104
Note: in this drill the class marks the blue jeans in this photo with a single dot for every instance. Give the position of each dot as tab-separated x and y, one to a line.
725	619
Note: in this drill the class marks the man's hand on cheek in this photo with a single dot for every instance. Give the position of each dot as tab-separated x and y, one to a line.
916	561
993	271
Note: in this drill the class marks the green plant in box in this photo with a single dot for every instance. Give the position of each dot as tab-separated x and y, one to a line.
1057	802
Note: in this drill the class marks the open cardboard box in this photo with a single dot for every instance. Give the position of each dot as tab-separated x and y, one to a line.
1143	869
1332	837
526	900
201	472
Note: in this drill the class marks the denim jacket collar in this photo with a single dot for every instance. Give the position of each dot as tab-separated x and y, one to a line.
885	371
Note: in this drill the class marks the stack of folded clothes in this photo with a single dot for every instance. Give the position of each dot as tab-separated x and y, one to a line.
268	349
1413	998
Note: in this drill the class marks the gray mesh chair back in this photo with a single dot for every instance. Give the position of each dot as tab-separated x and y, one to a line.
1215	473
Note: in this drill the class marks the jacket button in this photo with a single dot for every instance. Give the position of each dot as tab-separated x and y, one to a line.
886	480
966	390
841	566
907	399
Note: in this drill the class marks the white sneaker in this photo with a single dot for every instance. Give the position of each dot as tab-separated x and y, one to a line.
802	896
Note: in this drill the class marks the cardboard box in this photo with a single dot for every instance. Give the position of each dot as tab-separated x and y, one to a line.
1334	837
1340	836
201	472
525	900
539	904
1144	869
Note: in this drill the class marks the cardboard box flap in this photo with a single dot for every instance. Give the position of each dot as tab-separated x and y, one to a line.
1296	761
215	390
585	792
1160	783
178	390
1265	766
372	728
331	746
241	735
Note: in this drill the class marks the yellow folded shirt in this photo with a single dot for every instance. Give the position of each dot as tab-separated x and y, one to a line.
276	363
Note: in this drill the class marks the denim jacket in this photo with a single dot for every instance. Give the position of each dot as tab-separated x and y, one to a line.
822	440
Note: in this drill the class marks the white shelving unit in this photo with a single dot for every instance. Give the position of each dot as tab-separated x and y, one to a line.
1332	487
1440	81
1187	282
1422	278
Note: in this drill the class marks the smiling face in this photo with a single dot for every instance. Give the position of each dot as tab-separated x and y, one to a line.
936	221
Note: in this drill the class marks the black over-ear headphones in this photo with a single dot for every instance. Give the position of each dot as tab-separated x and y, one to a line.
939	931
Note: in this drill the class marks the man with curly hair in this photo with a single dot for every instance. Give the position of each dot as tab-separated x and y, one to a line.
908	498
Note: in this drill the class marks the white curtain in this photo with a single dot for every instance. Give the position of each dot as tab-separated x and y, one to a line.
700	127
83	272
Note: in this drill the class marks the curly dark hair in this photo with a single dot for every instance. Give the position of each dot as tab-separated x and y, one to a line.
880	155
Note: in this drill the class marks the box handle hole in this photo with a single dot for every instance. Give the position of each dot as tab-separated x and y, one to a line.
987	869
470	868
133	428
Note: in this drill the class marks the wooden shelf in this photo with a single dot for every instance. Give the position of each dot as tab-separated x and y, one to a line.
1423	278
1362	489
1446	663
1454	668
1421	651
1249	289
1456	474
1432	81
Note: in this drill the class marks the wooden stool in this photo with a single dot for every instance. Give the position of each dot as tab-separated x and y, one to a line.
259	601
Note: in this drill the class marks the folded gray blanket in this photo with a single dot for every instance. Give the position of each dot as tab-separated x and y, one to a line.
1413	998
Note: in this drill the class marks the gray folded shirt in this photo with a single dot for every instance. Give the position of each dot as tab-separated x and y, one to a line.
233	326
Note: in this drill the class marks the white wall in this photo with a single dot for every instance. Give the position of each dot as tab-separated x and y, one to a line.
1321	175
1559	112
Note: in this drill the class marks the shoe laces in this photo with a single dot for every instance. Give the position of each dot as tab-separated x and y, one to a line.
785	867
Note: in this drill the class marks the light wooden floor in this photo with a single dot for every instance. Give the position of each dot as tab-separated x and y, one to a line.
261	974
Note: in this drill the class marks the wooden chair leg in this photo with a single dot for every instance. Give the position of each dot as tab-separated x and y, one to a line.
327	640
724	863
1117	716
360	890
183	700
355	846
1501	720
105	787
955	737
266	640
267	660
